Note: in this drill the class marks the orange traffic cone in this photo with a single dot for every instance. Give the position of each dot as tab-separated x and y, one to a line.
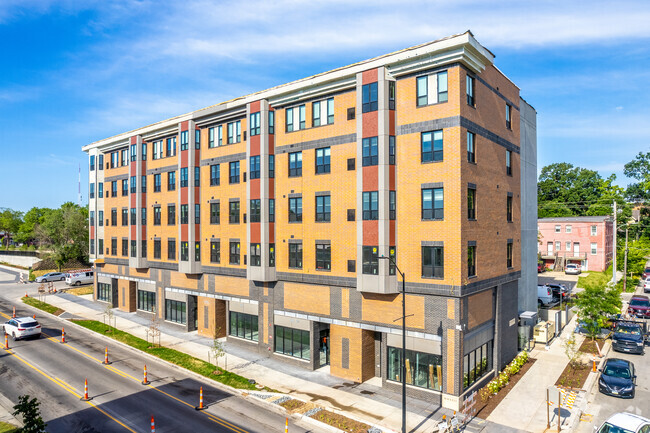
145	381
6	341
13	316
85	397
200	406
153	425
62	335
106	362
286	425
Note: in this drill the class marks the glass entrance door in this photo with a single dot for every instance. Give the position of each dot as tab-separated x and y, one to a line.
324	346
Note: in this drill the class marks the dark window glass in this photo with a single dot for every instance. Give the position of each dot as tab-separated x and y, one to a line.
392	205
509	209
432	204
113	217
234	172
125	216
215	174
271	210
471	151
271	166
234	253
295	164
185	251
175	311
156	182
125	187
371	205
471	261
157	216
254	211
243	326
197	251
197	176
477	364
370	260
255	123
254	168
425	369
295	255
256	255
134	216
157	250
509	162
171	181
171	214
215	251
509	255
171	249
146	301
184	214
197	213
215	213
184	140
431	146
292	342
234	212
471	203
433	262
323	208
369	97
469	89
272	255
184	177
144	183
323	160
295	209
133	184
370	151
271	122
323	257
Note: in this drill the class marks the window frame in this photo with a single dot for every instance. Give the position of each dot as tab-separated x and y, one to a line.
433	262
437	146
295	255
370	151
433	213
323	256
322	156
369	97
323	208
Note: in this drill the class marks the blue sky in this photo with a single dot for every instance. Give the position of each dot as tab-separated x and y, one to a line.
74	72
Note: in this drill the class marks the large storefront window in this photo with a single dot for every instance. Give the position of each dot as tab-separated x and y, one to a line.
243	325
292	342
146	301
175	311
477	363
422	369
104	292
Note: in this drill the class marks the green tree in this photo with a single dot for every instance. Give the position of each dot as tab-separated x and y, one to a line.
594	303
574	187
10	221
31	415
608	194
553	209
33	217
66	231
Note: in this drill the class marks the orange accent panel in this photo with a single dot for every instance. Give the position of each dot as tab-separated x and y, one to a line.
197	232
184	125
92	232
255	106
255	189
370	76
183	158
391	178
271	144
255	233
183	233
371	178
134	231
272	235
370	124
391	122
271	188
183	195
391	228
143	232
255	145
371	232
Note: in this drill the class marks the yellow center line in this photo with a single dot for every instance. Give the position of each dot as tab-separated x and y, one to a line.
68	388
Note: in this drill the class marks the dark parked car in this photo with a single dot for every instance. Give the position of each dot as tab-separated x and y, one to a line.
629	337
617	378
557	289
639	306
540	268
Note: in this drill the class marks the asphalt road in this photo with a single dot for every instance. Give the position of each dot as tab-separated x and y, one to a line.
55	372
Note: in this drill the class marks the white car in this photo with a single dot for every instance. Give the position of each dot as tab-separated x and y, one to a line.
79	278
646	285
572	269
625	423
22	327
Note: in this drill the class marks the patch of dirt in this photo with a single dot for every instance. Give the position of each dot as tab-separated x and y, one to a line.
292	405
58	312
341	422
216	372
484	409
589	346
574	376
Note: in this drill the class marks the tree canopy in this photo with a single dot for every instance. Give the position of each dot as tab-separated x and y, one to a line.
10	221
65	230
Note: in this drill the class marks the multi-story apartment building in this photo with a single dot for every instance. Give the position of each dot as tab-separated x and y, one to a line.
265	219
586	241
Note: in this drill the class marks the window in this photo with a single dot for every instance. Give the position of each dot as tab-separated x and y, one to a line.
104	292
197	138
100	218
292	342
157	249
171	181
558	246
567	244
234	253
243	326
234	212
433	262
184	139
425	368
125	216
370	151
271	166
197	213
477	364
509	209
369	97
215	213
157	149
114	161
184	214
323	160
215	174
256	255
156	182
254	169
197	251
234	172
330	111
295	209
133	184
323	208
509	254
215	136
134	152
509	162
371	205
272	255
144	151
508	116
432	204
100	247
171	249
125	187
184	177
144	183
471	152
171	214
351	113
146	301
175	311
144	249
255	211
215	251
569	228
558	228
91	216
134	216
295	164
271	210
197	176
295	255
92	247
114	246
471	261
392	205
391	149
351	214
255	123
113	217
100	189
185	251
323	112
594	230
171	146
469	89
295	118
594	248
125	157
370	260
431	89
432	145
125	247
101	162
134	248
471	203
234	132
92	162
351	164
114	188
143	215
323	257
391	95
91	190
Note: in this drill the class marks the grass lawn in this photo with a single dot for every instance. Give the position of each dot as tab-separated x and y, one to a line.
78	291
42	306
174	356
7	428
600	279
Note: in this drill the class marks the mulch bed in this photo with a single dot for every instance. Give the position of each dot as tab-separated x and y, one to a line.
589	346
292	405
484	409
341	422
574	376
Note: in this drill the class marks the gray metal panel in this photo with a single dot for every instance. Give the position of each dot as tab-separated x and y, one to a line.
292	322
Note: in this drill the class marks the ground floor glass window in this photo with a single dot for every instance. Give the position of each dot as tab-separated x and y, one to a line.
477	363
243	326
104	292
175	311
146	301
422	369
292	342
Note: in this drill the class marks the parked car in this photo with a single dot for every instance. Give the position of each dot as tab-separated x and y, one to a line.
540	268
646	273
22	327
79	278
625	423
639	306
51	276
629	336
646	285
544	295
572	269
617	378
557	289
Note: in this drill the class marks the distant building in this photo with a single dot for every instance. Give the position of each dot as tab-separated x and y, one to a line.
586	241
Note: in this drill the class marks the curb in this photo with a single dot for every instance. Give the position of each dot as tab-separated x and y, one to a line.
6	404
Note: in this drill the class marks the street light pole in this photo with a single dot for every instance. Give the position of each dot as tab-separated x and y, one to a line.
403	375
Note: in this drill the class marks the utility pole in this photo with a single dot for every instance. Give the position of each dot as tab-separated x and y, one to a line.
625	264
614	255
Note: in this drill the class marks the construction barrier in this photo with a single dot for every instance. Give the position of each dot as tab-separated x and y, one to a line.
200	406
85	397
145	381
13	316
286	425
106	362
153	425
6	341
62	335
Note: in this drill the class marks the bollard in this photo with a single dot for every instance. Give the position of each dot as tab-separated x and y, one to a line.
34	316
13	316
85	397
62	335
200	406
106	362
153	425
286	425
145	381
594	364
6	341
